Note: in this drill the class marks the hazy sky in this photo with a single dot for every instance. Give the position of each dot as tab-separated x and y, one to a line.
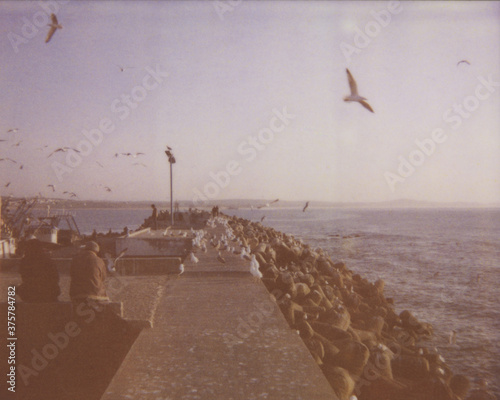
262	75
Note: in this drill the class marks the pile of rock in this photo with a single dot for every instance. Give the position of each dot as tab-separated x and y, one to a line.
362	345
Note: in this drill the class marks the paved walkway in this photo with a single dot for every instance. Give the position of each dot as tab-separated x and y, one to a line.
218	335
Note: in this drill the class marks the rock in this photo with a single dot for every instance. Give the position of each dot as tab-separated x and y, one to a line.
337	316
340	380
353	356
329	331
481	394
302	290
460	385
410	367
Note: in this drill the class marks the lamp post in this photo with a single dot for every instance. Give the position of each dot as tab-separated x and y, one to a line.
171	160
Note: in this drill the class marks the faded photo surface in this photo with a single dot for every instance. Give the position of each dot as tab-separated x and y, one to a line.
283	199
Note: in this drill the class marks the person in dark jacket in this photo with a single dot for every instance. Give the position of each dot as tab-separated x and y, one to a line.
40	279
88	273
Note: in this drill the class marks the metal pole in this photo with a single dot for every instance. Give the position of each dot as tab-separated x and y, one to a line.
171	197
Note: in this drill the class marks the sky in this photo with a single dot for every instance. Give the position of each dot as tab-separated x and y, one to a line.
249	95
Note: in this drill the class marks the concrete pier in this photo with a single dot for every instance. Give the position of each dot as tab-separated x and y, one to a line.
218	335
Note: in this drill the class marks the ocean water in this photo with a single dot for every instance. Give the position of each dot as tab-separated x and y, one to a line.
441	264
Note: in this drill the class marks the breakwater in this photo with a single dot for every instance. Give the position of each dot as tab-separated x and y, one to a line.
351	329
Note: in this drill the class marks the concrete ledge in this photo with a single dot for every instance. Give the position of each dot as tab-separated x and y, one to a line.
148	266
60	310
125	266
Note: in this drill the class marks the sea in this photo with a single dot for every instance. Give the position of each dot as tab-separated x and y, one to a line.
443	265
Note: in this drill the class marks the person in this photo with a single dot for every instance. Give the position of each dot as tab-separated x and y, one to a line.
88	273
40	279
154	216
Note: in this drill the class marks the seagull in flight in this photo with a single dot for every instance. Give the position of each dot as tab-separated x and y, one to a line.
100	165
13	130
262	219
305	207
8	159
64	150
54	25
17	144
129	154
139	163
7	184
52	186
108	189
111	263
71	194
354	96
463	61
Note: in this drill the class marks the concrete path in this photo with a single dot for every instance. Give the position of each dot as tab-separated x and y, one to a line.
218	335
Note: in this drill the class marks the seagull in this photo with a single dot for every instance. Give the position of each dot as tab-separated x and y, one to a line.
52	186
17	144
262	219
22	166
108	189
8	159
354	96
111	263
305	207
463	61
193	258
13	130
254	268
181	270
139	163
53	27
220	258
72	194
123	68
100	165
453	337
64	150
275	201
130	154
7	184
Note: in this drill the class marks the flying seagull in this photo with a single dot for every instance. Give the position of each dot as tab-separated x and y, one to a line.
100	165
354	96
123	68
111	263
52	186
8	159
71	194
64	150
13	130
108	189
7	184
139	163
17	144
262	219
463	61
305	207
53	27
129	154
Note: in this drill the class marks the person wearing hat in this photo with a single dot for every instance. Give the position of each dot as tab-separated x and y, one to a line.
40	279
88	273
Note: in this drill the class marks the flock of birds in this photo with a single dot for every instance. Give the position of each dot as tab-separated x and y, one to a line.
15	142
225	242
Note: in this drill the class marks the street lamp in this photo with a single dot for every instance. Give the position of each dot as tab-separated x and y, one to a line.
171	160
